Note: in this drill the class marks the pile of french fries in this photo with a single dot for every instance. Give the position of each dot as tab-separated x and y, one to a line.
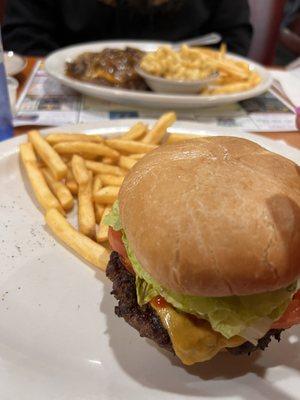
235	76
68	169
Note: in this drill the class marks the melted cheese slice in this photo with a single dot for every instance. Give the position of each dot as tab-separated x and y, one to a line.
193	339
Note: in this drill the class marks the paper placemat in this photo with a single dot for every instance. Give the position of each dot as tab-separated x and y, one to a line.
45	101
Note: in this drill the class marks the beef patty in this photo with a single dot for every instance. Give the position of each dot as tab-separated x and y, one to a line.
109	67
145	320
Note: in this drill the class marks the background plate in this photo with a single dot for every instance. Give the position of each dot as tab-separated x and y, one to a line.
55	66
60	339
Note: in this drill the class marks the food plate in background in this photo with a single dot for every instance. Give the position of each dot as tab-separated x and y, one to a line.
55	66
59	337
14	64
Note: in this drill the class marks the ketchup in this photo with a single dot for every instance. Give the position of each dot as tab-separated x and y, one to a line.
160	302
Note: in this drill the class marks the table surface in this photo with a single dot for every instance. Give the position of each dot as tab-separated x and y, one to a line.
292	138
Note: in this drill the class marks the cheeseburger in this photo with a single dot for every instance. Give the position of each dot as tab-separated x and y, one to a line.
206	240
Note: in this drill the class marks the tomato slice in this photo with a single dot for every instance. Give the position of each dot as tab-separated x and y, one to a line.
116	242
291	316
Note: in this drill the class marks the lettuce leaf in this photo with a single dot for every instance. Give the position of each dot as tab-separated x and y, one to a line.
145	291
231	315
113	218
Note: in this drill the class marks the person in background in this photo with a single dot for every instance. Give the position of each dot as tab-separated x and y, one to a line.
37	27
289	41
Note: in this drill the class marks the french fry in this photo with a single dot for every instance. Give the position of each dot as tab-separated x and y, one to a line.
54	138
230	88
223	79
178	137
91	157
243	65
99	210
48	155
71	183
137	156
156	134
108	160
135	132
223	50
38	183
102	231
126	162
59	189
91	251
107	195
86	212
229	67
40	164
100	168
94	149
111	180
97	184
130	146
79	169
66	158
254	78
214	54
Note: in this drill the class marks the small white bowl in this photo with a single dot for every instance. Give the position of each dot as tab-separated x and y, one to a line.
14	64
164	85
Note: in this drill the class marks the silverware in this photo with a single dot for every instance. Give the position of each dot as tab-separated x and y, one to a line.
210	38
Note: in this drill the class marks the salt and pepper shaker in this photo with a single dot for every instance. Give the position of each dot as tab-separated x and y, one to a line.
6	125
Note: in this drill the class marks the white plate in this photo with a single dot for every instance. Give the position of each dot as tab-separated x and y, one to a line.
14	64
55	66
60	339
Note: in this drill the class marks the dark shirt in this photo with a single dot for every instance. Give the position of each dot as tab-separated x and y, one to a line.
37	27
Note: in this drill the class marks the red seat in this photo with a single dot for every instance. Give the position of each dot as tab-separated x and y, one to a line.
266	17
